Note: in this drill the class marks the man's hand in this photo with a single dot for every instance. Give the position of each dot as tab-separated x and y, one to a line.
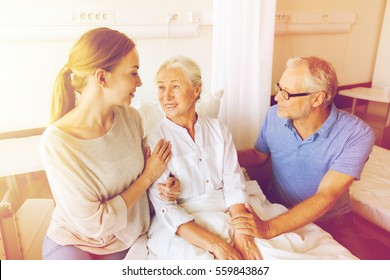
250	224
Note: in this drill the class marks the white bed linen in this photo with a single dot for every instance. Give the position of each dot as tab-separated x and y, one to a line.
370	197
308	242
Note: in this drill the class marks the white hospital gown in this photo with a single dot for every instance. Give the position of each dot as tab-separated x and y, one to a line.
203	166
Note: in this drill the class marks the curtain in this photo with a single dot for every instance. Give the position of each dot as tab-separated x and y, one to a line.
243	38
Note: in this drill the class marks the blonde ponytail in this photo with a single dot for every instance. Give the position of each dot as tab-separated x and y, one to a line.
63	98
100	48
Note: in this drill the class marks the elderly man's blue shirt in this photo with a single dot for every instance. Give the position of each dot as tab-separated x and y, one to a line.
343	143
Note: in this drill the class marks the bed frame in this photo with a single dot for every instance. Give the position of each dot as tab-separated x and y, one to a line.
370	198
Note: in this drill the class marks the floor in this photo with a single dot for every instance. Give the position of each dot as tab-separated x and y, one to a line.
378	251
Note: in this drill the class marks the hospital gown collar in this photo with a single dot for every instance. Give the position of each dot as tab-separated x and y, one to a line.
175	126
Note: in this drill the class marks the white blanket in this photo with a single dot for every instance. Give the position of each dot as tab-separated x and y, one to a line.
209	211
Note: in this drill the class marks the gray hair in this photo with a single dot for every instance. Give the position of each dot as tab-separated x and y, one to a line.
321	76
187	66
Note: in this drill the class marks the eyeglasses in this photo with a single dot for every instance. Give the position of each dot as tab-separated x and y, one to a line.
286	95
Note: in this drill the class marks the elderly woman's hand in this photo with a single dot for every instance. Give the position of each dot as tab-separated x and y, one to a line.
223	251
171	190
247	247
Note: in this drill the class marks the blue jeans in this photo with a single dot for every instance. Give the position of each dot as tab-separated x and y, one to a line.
54	251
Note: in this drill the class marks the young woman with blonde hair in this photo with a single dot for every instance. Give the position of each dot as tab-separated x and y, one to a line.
93	153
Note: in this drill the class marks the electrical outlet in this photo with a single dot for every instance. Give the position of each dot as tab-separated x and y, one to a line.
171	17
178	17
282	17
326	17
95	16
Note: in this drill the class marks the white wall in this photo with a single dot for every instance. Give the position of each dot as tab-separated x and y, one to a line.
352	54
381	76
28	68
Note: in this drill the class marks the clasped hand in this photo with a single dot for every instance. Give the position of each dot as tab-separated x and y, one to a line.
249	224
244	248
171	190
247	247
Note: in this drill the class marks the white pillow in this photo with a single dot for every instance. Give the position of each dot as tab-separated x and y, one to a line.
152	114
209	104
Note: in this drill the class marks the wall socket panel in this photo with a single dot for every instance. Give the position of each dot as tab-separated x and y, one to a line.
314	17
86	16
282	17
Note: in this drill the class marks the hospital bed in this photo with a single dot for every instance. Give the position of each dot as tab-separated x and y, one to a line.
308	242
28	224
370	197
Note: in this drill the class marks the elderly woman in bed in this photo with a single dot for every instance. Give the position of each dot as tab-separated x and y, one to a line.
197	224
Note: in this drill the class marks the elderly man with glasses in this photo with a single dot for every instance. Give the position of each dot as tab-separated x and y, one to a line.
316	150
